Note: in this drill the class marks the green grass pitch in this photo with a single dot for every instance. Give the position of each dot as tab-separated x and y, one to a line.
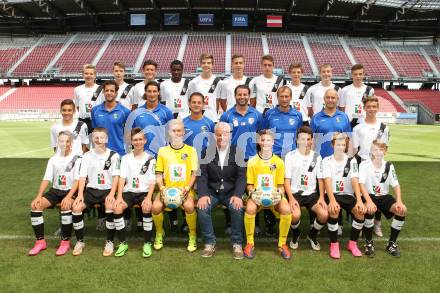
24	149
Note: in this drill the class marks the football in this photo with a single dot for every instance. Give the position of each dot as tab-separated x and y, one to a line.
172	197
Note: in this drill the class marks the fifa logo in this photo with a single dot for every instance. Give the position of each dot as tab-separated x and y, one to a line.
135	183
339	186
62	180
101	178
304	180
358	109
178	103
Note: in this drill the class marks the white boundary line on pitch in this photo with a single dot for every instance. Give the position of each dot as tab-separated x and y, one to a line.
219	239
24	153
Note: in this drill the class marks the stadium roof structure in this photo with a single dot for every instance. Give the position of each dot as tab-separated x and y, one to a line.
376	18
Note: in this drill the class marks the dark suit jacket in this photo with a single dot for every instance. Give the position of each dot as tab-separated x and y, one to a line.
232	176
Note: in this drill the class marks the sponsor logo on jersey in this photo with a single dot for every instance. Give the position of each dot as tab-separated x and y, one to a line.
62	180
376	189
304	180
268	99
177	103
101	178
339	186
177	173
135	183
265	182
357	109
88	107
297	106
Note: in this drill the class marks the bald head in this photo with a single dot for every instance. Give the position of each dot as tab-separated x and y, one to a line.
331	99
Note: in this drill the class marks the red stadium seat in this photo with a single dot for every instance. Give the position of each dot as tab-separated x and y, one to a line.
430	98
198	44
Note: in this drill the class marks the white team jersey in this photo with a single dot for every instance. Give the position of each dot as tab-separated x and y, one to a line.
315	96
297	103
170	93
297	170
124	102
62	171
137	175
135	96
203	86
92	167
80	138
335	171
261	90
227	88
363	136
372	177
351	98
82	96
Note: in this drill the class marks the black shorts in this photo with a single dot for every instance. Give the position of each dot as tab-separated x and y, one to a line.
307	201
55	196
132	198
384	204
346	201
88	122
94	196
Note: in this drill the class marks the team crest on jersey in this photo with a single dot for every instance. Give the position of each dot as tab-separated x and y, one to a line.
338	119
204	128
115	115
251	120
291	121
339	186
346	170
184	156
273	167
144	169
384	176
235	122
62	180
107	164
206	100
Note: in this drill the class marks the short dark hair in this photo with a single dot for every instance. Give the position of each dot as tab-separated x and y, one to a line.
153	83
110	82
296	65
196	94
149	62
176	62
135	131
100	129
119	64
67	102
242	86
304	129
357	67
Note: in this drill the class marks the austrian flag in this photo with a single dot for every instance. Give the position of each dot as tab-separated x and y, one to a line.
274	21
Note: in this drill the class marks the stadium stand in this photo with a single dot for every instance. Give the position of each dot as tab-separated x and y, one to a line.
434	53
387	103
163	49
287	49
250	46
81	51
328	49
407	61
37	97
430	98
40	57
364	53
11	50
124	47
198	44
